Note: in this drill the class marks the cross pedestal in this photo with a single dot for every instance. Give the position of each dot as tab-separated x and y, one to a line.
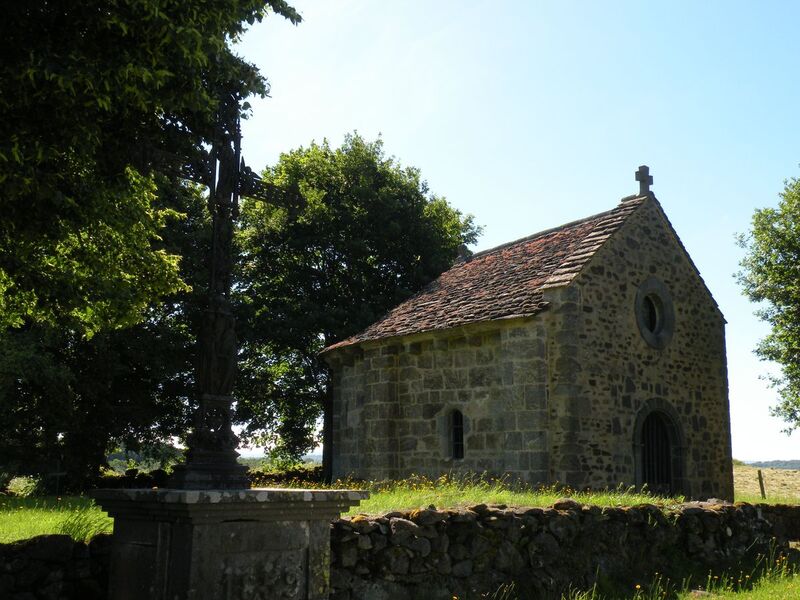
254	544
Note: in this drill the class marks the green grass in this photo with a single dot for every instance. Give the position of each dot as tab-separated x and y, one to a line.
22	518
772	576
773	499
79	517
768	589
775	584
454	492
768	577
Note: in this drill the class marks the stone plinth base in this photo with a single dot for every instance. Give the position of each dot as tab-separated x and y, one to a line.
210	470
222	544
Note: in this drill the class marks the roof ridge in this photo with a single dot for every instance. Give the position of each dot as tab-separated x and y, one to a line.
533	236
485	290
606	225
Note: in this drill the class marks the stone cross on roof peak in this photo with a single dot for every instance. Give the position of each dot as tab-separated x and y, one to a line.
645	180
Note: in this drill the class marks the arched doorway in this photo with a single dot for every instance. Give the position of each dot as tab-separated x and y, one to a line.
658	449
656	454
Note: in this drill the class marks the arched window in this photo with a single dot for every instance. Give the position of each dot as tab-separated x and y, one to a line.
457	434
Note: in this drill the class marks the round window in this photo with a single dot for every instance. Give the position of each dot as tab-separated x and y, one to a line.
654	313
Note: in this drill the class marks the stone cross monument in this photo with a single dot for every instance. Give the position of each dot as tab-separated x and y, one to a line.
209	536
211	456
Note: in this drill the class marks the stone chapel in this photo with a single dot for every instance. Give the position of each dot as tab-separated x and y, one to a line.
590	355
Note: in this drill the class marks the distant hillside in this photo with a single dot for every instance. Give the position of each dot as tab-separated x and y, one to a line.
258	461
776	464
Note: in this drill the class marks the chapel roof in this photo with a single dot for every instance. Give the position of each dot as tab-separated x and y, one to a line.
504	282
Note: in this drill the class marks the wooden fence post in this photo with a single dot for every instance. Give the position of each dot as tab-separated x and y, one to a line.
761	485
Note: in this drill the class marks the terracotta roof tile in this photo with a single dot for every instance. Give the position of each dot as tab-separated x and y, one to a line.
504	282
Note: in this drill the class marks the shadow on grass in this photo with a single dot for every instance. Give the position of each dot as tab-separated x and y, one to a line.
687	582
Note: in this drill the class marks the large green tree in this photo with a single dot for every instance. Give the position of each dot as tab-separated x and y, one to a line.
770	275
96	96
103	103
66	399
369	235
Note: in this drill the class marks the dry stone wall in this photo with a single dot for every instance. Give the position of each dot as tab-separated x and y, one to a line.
437	554
55	567
470	553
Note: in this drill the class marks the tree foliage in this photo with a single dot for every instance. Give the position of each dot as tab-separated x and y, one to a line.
65	399
369	236
770	275
96	96
102	103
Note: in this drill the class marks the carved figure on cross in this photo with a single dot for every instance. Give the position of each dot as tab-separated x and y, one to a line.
211	457
645	180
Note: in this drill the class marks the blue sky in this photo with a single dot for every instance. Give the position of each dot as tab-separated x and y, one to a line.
532	114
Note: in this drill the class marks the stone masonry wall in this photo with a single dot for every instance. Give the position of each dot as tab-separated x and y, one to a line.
393	404
470	553
604	375
55	567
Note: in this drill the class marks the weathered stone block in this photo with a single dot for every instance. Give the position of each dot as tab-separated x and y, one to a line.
484	356
407	374
455	379
408	444
433	380
462	568
483	376
530	419
475	442
183	544
430	411
513	441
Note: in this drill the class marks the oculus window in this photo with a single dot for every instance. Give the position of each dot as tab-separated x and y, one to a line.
655	314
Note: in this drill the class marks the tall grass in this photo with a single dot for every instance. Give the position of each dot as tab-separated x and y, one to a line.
456	490
82	525
453	491
787	588
769	577
79	517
